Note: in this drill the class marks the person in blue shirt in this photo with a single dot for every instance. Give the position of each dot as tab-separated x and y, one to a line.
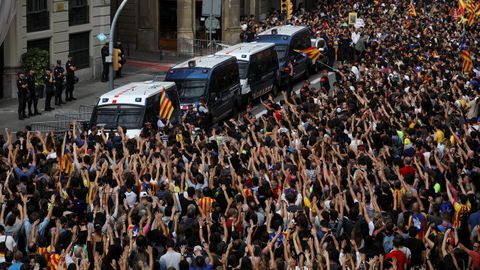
474	219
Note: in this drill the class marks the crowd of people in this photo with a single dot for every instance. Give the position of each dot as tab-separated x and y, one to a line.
379	171
53	82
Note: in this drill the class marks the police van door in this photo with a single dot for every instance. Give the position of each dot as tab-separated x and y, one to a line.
262	73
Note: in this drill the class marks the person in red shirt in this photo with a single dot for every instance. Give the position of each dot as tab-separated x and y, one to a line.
401	258
474	254
407	168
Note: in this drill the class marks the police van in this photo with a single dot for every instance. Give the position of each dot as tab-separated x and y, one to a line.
258	68
213	79
289	40
132	105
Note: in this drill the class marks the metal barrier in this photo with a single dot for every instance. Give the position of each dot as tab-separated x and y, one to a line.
199	47
86	109
63	121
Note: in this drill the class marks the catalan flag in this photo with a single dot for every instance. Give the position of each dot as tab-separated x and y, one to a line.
407	23
312	53
467	62
470	7
471	19
166	107
411	9
461	7
65	160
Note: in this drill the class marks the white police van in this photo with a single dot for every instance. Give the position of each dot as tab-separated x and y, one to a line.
132	105
258	68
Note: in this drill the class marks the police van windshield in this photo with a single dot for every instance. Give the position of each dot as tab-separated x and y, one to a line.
191	88
112	116
243	69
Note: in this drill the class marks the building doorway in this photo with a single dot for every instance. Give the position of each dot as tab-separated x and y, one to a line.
167	25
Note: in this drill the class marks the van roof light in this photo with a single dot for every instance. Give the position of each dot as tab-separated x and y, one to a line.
244	56
191	63
274	31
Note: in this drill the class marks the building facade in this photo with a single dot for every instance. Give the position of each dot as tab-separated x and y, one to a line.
61	27
170	25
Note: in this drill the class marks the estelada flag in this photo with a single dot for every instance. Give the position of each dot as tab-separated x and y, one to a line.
166	107
312	53
411	9
467	63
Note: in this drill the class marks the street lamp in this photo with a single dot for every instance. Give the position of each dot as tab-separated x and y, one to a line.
110	45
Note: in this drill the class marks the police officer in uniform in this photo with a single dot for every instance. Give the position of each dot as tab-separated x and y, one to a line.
70	68
49	82
105	53
58	72
32	97
22	92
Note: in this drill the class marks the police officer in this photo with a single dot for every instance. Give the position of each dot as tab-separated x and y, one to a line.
59	74
22	92
105	53
32	95
70	68
49	82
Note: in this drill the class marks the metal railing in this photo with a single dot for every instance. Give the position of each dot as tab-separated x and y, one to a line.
199	47
63	121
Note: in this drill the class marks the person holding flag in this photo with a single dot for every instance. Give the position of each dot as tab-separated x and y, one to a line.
166	109
411	9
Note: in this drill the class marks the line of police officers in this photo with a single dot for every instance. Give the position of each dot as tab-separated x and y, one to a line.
54	83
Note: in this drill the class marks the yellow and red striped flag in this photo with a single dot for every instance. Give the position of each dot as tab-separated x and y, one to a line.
471	19
411	9
470	7
312	53
407	23
166	106
467	63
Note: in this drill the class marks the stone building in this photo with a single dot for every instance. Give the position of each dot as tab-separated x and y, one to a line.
154	25
61	27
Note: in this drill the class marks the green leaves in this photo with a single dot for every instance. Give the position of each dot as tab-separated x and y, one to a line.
38	60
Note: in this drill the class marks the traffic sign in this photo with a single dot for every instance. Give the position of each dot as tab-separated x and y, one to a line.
212	23
212	8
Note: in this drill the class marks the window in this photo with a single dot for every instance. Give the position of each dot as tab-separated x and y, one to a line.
79	49
43	44
78	12
38	17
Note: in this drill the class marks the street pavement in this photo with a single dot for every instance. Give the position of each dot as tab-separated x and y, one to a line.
87	93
